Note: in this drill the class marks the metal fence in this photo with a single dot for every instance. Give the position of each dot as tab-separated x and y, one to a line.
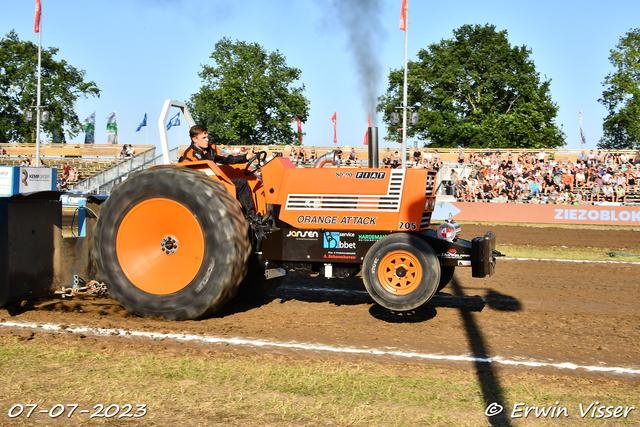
103	182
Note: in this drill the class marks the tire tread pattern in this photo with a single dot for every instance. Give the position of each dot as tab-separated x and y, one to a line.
222	222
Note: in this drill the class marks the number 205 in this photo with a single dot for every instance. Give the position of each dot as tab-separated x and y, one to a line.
407	225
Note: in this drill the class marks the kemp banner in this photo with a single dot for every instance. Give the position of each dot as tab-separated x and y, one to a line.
37	179
538	214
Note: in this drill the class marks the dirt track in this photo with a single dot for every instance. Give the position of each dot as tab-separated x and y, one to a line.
583	313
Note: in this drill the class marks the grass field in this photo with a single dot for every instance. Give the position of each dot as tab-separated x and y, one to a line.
227	389
562	252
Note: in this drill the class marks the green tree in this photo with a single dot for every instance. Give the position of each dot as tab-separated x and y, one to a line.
247	96
621	96
475	90
61	85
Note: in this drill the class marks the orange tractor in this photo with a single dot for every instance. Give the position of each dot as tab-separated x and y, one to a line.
171	241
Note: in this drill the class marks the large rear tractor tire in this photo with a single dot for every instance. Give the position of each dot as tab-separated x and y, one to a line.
171	242
401	272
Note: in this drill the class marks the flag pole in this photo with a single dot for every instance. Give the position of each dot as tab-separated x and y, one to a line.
146	116
38	92
582	139
404	102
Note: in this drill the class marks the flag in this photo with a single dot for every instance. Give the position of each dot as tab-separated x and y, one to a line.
366	133
175	121
112	128
144	122
58	137
89	125
403	16
38	9
299	128
583	138
334	119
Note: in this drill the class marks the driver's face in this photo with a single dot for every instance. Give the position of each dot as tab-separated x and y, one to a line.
201	140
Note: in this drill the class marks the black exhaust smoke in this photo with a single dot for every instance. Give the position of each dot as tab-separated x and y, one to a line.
362	21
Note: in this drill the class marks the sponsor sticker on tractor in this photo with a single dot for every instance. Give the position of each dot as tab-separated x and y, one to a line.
303	234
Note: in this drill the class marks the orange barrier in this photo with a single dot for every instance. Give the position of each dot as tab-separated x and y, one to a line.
540	214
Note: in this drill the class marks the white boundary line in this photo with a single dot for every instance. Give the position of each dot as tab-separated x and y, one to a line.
569	260
320	347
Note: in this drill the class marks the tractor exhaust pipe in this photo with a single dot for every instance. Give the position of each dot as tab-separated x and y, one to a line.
329	157
373	147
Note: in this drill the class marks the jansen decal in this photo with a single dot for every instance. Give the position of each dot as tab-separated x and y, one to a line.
303	234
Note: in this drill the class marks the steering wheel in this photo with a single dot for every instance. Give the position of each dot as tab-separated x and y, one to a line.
259	160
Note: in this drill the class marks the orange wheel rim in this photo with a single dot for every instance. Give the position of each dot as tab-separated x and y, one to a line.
160	246
399	273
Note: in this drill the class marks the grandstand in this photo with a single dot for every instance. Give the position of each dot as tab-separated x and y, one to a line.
447	155
87	160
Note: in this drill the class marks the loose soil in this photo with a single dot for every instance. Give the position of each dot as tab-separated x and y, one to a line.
584	313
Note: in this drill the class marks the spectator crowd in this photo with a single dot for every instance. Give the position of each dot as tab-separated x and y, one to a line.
127	152
68	176
536	177
524	177
428	160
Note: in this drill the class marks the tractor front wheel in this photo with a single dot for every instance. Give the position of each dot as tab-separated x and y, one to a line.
171	242
401	272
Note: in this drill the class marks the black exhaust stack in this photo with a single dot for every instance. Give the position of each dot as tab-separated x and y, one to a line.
373	147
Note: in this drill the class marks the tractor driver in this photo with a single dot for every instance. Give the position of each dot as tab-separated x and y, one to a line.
201	150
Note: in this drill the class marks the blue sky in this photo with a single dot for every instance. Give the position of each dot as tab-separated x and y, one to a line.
142	52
